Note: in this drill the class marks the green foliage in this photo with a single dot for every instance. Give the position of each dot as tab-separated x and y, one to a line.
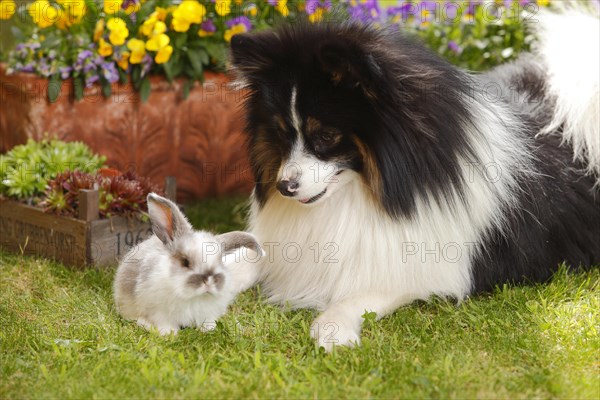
26	169
482	40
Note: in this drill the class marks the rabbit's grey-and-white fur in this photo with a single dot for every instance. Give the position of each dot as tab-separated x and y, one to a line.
176	278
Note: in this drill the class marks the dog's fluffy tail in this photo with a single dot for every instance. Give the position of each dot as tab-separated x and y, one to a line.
569	47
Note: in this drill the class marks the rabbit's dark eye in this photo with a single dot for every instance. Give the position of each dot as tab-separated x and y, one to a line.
185	262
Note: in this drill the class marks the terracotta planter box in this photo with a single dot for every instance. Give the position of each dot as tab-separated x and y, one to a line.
199	140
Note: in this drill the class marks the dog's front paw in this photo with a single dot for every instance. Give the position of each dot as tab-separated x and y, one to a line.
207	326
335	331
167	330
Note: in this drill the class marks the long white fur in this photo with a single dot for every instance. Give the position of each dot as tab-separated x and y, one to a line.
344	255
161	298
570	49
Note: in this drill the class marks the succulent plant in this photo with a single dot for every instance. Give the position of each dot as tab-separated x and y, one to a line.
119	194
26	169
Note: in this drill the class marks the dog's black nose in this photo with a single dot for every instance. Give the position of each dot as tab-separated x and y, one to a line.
287	188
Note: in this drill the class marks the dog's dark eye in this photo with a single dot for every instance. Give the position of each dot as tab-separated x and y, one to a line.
185	262
326	137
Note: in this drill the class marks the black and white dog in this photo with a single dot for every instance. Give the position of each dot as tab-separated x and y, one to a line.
385	174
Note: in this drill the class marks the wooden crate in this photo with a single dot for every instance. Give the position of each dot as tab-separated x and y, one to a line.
87	240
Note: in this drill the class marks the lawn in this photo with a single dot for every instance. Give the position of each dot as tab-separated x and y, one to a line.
61	338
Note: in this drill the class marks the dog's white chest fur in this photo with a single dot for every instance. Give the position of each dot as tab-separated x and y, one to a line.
347	246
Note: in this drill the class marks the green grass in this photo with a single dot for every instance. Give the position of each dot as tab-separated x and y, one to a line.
61	338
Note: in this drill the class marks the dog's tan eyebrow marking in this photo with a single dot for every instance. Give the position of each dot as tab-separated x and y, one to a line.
315	127
280	122
312	125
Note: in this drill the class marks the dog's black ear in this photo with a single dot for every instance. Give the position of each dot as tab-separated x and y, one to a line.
251	52
349	64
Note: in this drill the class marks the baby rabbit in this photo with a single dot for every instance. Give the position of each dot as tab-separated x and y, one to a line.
176	278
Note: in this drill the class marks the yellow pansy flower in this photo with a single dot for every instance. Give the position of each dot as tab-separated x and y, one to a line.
124	61
163	55
63	21
133	7
317	15
157	42
161	13
148	25
42	13
112	6
116	24
118	31
98	29
71	13
153	26
223	7
187	13
104	48
543	3
282	8
251	10
138	50
239	28
7	9
159	27
118	37
75	8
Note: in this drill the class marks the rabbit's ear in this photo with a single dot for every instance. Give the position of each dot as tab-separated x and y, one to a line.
232	241
168	223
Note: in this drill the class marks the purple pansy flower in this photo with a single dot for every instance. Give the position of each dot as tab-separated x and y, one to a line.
147	63
44	68
22	50
127	3
450	11
427	10
109	72
88	66
452	45
208	26
65	72
29	67
83	55
404	11
241	20
365	11
312	5
91	79
472	5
